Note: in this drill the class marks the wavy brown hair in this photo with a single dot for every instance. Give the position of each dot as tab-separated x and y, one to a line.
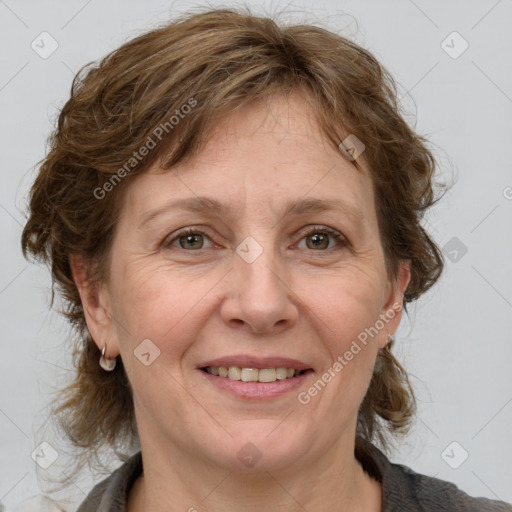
221	59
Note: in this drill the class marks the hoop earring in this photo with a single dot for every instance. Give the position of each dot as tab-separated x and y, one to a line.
106	363
389	342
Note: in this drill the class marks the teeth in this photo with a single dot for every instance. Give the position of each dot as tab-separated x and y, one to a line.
248	374
253	374
266	375
281	373
234	373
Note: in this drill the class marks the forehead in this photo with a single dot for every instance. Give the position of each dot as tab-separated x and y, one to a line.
270	153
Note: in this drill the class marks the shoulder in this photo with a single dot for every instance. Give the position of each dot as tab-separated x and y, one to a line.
430	493
110	494
404	489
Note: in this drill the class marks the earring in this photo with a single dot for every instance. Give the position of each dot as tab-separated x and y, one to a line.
106	363
390	342
384	352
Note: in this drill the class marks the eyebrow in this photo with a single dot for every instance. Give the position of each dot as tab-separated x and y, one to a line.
212	207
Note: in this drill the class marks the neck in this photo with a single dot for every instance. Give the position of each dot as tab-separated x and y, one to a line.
173	481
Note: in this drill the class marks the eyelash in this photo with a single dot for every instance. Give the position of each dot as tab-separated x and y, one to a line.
340	238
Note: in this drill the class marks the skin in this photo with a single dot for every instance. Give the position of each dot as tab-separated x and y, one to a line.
295	300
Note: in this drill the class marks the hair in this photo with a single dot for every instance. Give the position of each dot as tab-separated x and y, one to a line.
216	61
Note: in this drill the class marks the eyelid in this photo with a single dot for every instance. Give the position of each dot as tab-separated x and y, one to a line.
191	230
337	235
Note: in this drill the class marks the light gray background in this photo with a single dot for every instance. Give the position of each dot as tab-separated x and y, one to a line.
457	344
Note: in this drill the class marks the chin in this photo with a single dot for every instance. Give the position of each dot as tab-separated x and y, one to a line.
260	450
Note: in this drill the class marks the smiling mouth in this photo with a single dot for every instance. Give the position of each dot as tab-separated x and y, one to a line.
264	375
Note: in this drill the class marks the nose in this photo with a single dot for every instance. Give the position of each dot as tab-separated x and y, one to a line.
260	296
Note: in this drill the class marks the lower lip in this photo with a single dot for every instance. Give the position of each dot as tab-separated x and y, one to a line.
257	390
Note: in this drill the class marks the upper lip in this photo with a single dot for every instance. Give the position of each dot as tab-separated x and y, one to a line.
248	361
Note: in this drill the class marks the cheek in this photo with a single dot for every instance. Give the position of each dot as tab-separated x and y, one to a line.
346	312
155	302
344	304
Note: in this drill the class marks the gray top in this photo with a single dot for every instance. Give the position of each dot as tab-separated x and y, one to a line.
402	488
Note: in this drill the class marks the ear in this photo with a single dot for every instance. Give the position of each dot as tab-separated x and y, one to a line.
96	305
391	313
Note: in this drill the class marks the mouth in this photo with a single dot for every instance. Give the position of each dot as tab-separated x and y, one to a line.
252	378
262	375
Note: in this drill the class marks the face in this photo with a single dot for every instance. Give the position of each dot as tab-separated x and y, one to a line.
255	284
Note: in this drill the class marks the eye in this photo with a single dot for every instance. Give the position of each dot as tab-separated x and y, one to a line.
319	238
188	239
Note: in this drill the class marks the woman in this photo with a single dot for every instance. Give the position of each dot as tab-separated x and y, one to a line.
231	210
